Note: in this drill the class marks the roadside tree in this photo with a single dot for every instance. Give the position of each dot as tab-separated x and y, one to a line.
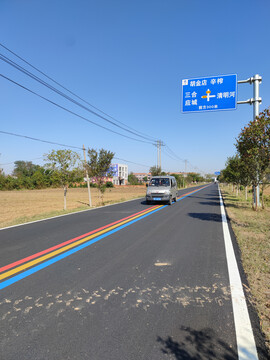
65	164
253	146
231	173
155	170
98	166
132	179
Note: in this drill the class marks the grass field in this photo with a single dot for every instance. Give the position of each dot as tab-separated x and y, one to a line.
252	230
21	206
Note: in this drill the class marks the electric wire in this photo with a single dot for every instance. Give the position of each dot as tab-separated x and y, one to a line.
56	143
168	152
165	151
26	72
116	158
10	163
173	153
20	68
72	112
40	140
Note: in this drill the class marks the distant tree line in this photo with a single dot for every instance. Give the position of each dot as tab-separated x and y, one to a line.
64	168
250	166
182	180
27	175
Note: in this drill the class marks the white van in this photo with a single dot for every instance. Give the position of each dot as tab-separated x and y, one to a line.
163	189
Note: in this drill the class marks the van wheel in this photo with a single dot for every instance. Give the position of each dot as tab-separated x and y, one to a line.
170	201
175	199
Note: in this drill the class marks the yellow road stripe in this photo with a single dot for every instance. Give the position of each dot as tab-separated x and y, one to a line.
65	248
70	246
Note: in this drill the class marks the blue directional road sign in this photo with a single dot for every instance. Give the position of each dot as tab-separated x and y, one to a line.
217	173
209	93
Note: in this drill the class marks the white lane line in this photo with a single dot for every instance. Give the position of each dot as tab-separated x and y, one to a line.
244	334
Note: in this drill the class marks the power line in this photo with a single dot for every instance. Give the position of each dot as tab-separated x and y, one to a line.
173	153
116	158
72	112
56	143
165	151
10	163
20	68
40	140
169	152
28	73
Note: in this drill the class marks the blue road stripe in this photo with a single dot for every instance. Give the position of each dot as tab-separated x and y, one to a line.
47	263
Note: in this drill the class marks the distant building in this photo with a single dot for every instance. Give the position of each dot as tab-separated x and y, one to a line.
141	176
120	174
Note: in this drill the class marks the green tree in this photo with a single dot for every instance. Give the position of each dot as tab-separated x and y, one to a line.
209	177
179	179
2	180
253	146
24	169
98	166
66	165
232	173
155	170
132	179
145	179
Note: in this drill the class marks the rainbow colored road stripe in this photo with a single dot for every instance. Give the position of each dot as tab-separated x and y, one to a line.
22	268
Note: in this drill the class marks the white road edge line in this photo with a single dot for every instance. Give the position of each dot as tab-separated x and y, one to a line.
244	334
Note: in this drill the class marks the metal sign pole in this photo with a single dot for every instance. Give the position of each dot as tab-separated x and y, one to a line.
256	100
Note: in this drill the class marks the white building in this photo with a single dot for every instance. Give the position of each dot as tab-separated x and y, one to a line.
120	174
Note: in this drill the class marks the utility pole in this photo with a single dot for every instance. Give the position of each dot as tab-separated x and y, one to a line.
87	179
157	154
256	100
185	171
159	144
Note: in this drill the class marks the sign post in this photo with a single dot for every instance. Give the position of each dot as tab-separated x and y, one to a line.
256	100
209	93
219	93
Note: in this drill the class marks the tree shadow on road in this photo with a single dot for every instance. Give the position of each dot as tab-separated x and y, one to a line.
197	345
206	216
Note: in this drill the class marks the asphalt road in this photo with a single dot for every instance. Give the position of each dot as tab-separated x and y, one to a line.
154	285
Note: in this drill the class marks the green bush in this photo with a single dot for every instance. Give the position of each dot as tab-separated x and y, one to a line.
109	184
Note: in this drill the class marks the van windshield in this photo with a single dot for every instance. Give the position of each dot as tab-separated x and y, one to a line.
159	182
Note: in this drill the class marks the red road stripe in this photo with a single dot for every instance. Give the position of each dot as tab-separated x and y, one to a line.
9	266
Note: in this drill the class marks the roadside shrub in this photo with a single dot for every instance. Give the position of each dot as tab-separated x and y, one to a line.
109	184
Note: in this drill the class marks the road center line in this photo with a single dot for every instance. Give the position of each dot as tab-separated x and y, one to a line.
74	247
67	247
43	252
244	335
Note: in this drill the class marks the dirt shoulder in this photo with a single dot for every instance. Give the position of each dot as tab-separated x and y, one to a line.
252	230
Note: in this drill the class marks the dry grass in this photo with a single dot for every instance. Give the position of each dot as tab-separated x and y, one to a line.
252	230
17	207
21	206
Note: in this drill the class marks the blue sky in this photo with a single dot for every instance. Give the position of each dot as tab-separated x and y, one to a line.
128	58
